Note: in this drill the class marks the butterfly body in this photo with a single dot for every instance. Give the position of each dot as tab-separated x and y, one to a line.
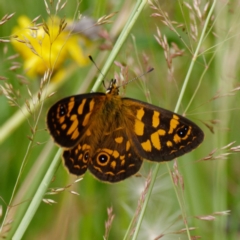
111	135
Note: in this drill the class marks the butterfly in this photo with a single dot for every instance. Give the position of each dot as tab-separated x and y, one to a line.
110	135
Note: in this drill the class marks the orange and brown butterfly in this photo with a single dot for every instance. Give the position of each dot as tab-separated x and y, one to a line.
110	135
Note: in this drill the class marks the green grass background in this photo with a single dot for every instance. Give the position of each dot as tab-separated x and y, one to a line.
209	186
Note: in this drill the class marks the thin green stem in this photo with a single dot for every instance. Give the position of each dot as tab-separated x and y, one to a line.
195	56
180	202
34	104
16	184
43	186
124	34
22	114
176	109
199	83
37	199
144	207
226	64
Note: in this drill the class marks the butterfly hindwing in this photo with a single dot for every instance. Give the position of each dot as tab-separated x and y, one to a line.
113	160
67	120
116	158
76	159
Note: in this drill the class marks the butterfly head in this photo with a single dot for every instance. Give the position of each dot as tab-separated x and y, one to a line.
113	88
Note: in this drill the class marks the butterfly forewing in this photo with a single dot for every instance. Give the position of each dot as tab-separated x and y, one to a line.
159	134
67	120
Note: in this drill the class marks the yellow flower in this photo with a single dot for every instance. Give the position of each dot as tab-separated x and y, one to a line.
47	46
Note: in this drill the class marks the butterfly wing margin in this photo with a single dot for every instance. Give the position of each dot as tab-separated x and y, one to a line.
159	134
67	119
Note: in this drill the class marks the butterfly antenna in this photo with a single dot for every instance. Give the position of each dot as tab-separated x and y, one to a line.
91	59
137	77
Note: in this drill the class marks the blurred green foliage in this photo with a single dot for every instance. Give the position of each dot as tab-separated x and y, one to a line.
209	186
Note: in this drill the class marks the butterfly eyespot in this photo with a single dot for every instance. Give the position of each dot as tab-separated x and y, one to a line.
182	132
103	159
62	111
86	155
